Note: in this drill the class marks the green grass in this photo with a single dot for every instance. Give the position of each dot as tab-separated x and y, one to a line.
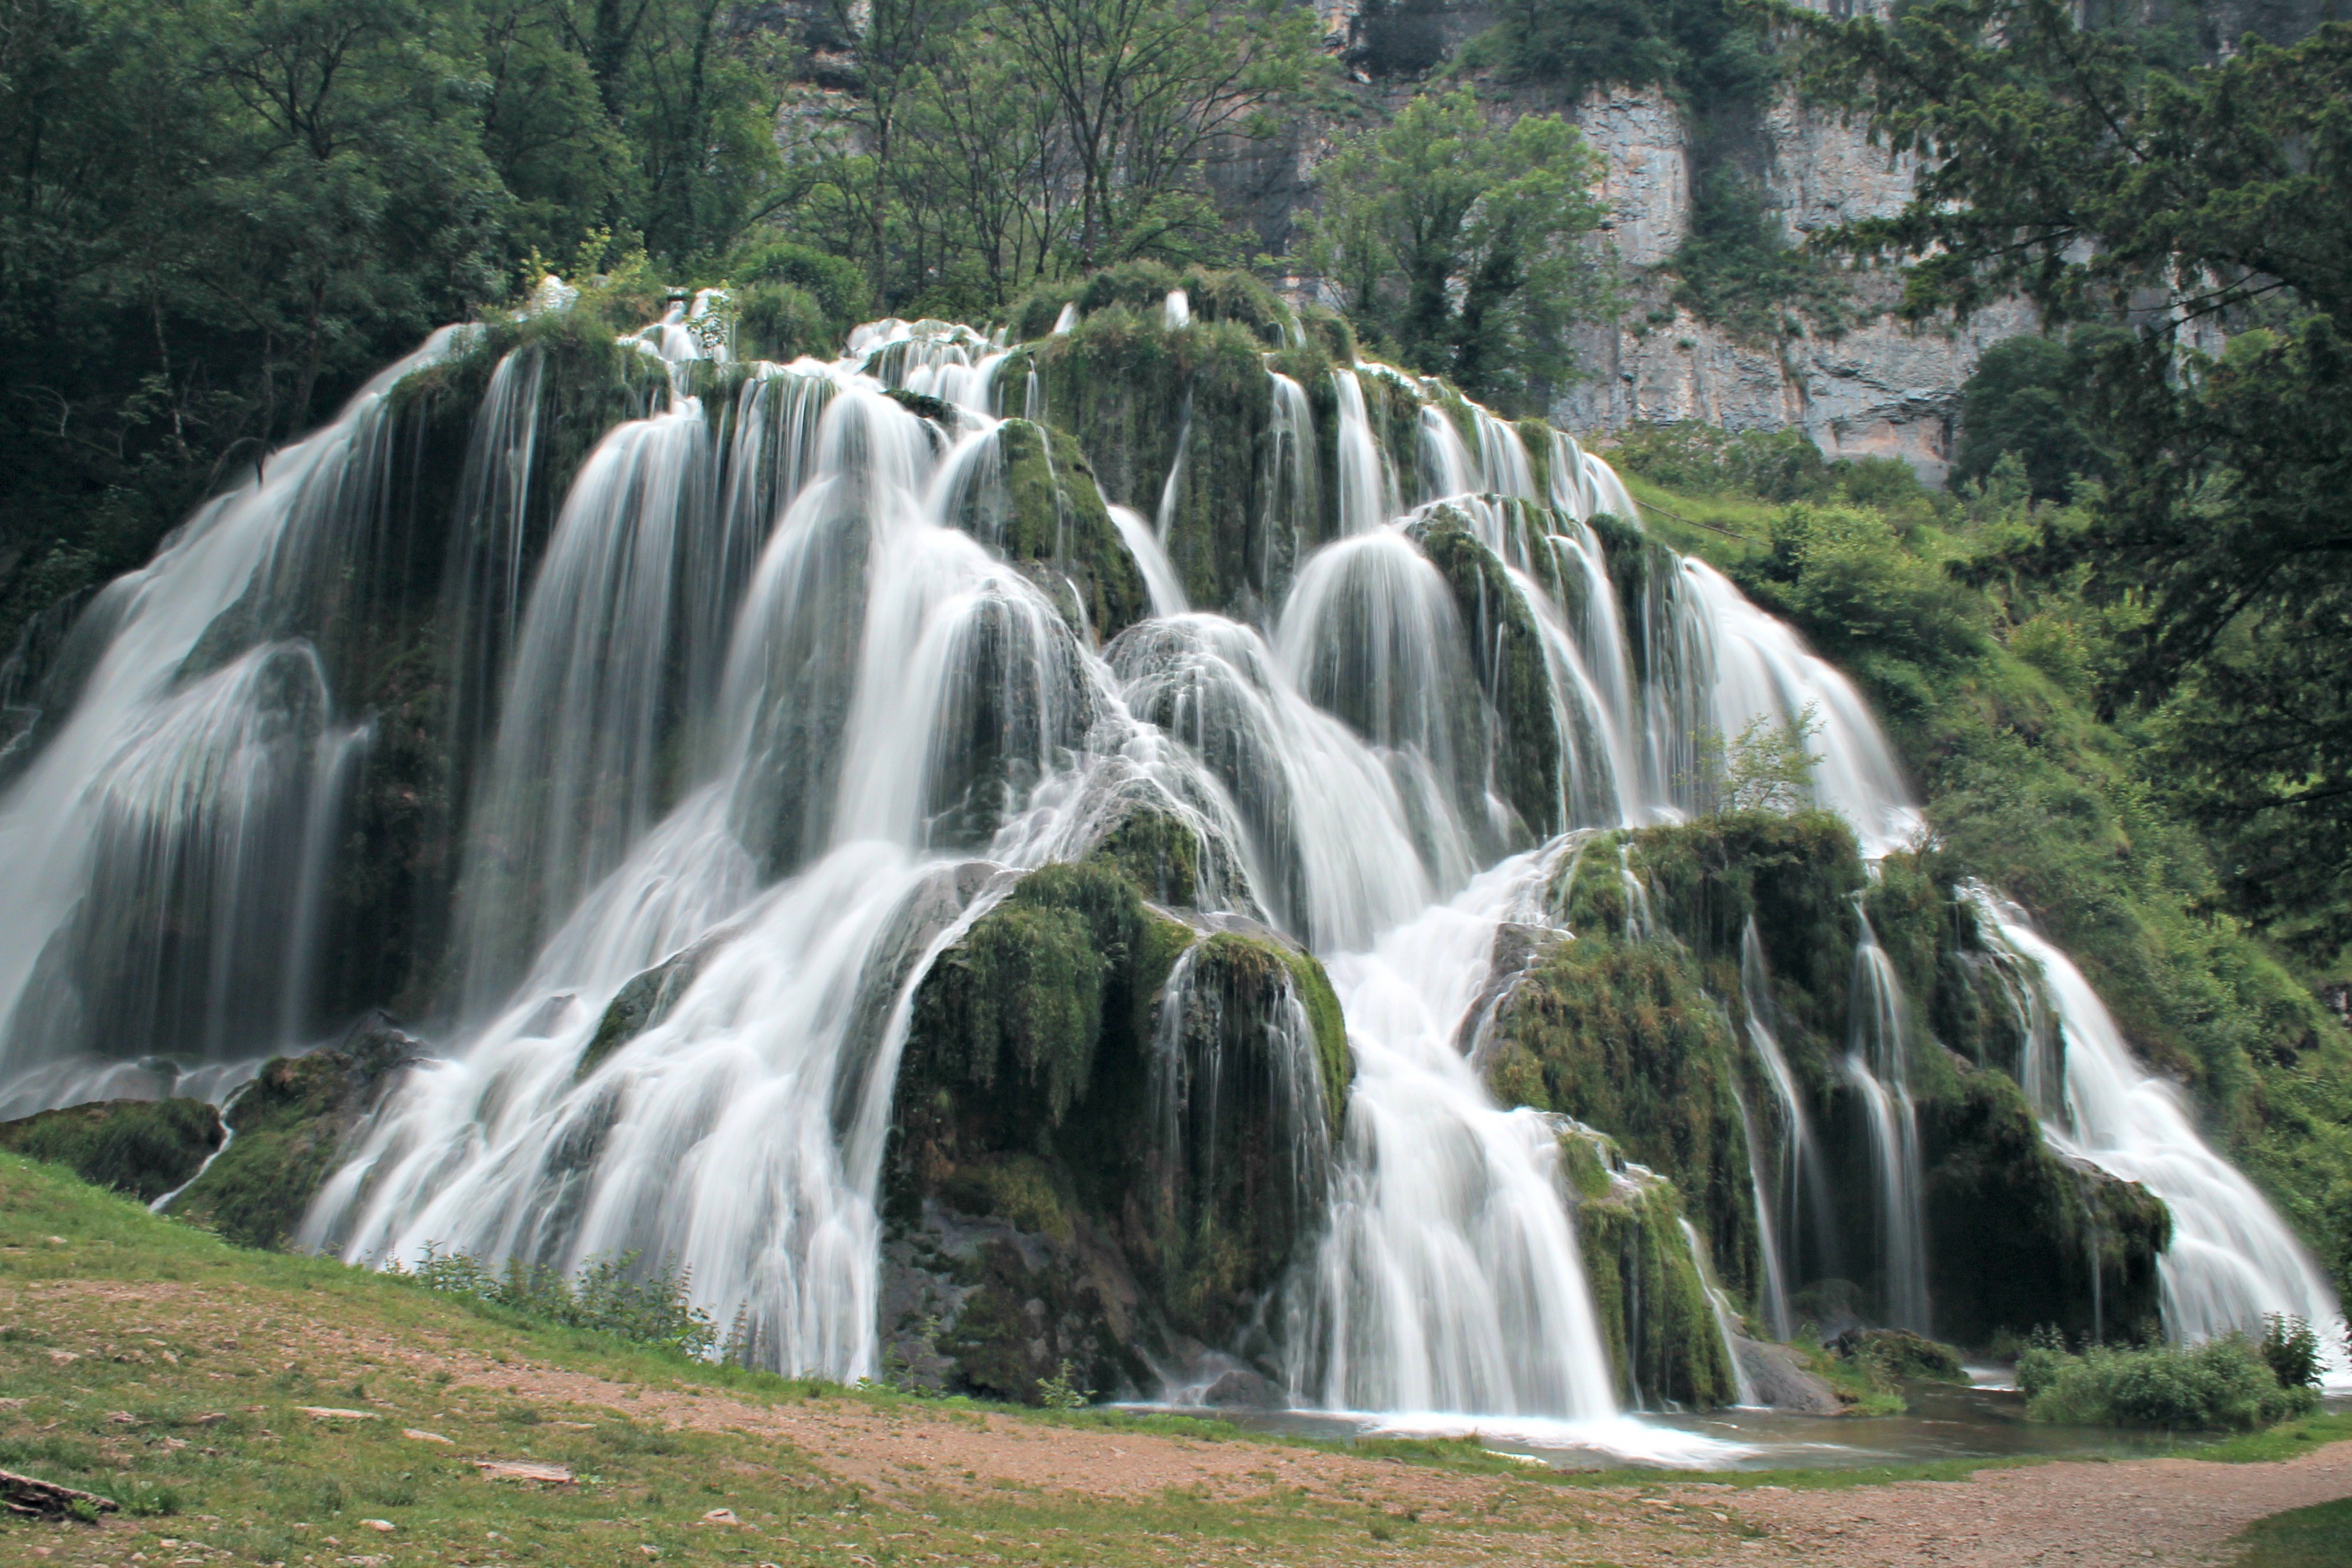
210	1350
2317	1537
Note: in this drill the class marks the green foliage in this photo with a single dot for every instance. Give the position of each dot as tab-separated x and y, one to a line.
1768	767
1780	464
2223	1384
992	147
2290	1349
2084	169
226	214
1460	244
2023	400
1734	269
1061	1391
139	1147
1880	611
605	1295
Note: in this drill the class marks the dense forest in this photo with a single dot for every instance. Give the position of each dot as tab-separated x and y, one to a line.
2113	647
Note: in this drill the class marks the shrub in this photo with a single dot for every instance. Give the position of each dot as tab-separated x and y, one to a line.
2291	1351
607	1296
2225	1384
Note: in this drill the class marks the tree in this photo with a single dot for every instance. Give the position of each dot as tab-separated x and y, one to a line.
2059	162
2021	399
1465	244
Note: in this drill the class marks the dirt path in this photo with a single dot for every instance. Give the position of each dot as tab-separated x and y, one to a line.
2067	1515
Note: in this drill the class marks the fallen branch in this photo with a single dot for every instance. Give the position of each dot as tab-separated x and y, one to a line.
32	1499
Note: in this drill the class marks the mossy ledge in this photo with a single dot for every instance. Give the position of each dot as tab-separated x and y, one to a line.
290	1123
1641	1028
141	1148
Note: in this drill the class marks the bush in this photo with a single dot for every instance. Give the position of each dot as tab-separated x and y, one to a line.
2225	1384
2291	1350
608	1296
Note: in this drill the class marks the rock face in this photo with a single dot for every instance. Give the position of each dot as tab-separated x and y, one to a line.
1881	388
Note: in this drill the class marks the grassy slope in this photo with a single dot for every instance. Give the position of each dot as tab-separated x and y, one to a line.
215	1449
2306	1538
171	1327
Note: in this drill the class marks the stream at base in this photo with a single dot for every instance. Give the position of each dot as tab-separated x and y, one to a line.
1946	1422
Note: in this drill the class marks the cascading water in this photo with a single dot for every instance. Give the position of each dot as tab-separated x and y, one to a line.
1726	1321
156	840
770	722
2232	1259
1803	1175
1449	1280
1877	1064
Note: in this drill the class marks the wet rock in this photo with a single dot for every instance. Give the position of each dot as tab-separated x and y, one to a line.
1782	1381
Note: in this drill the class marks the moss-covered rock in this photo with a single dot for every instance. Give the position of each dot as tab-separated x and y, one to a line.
1507	652
1246	1101
1144	1112
141	1147
645	1000
1621	1035
1648	1290
1143	403
288	1124
2019	1236
1639	1028
1045	514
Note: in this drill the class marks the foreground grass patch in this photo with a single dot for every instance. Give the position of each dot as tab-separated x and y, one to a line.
260	1407
2306	1538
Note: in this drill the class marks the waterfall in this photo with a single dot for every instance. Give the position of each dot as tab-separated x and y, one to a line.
1293	507
1726	1321
1877	1064
1367	484
1449	1280
1176	310
154	842
571	782
1804	1182
1160	580
2232	1259
757	714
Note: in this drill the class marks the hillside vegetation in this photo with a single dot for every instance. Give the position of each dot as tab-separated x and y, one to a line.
1989	680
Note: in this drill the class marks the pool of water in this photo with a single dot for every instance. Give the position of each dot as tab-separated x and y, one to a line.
1985	1421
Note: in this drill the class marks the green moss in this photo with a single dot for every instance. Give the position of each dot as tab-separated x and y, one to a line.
1505	649
1019	1189
2015	1230
290	1123
1620	1035
1892	1355
1333	1059
1055	524
1647	1290
143	1148
1135	396
1159	852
